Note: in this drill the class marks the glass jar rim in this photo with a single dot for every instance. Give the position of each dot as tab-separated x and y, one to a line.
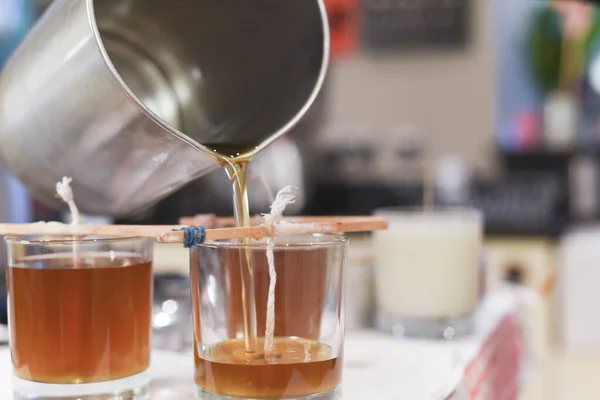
61	240
320	240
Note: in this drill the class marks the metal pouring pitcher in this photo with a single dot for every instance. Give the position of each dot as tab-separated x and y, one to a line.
122	95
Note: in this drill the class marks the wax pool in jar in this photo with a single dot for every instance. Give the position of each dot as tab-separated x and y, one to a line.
297	368
81	323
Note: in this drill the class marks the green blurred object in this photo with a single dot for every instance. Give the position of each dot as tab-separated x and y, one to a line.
545	48
550	50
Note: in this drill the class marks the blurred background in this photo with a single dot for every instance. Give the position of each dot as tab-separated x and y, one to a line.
496	103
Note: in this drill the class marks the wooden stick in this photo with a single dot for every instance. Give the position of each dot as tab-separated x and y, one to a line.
210	221
165	233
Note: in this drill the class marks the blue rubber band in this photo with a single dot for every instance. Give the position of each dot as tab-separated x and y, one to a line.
193	236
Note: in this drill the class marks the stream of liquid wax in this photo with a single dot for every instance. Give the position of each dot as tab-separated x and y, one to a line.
238	174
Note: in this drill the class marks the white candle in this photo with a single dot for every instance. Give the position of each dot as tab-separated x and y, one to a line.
427	263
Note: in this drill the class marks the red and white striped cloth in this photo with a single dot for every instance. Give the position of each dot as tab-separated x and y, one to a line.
495	372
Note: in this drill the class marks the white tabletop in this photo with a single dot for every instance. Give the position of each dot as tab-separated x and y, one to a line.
377	366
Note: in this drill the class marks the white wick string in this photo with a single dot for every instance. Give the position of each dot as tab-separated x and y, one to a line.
64	190
284	198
